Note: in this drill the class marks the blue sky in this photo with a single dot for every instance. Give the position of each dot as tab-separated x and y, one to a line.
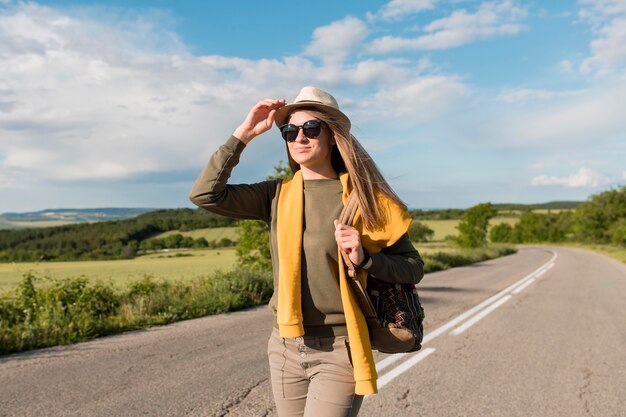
120	103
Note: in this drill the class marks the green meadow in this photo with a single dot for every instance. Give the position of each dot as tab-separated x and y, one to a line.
172	265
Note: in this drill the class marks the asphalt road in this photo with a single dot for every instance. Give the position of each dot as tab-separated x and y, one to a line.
538	333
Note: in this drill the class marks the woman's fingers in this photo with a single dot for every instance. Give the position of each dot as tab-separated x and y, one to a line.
259	119
349	240
265	110
347	237
270	104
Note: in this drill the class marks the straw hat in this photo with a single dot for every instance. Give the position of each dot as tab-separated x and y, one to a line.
311	97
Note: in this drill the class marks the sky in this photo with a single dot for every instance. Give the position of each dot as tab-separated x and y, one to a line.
121	103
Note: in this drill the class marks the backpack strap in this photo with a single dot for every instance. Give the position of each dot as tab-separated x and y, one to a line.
347	217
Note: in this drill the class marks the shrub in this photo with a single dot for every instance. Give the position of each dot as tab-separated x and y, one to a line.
445	260
253	247
501	233
419	232
536	227
62	311
617	232
597	216
473	226
48	312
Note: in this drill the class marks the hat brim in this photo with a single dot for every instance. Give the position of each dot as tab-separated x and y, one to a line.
282	115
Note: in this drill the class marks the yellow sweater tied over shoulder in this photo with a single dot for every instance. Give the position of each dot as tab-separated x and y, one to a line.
289	310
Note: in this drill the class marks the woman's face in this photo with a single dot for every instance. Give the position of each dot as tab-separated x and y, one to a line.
312	154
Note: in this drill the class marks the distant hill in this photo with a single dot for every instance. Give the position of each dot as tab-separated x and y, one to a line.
71	215
552	205
114	239
455	213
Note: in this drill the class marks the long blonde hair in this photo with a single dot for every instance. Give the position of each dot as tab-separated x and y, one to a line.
348	155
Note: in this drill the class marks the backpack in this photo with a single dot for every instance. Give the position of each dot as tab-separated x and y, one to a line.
392	311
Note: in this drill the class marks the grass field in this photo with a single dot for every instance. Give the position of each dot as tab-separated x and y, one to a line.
165	265
442	228
15	225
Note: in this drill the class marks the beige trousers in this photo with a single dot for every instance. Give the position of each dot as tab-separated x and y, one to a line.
312	376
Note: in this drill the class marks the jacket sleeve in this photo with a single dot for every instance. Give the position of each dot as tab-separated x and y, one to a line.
212	192
400	263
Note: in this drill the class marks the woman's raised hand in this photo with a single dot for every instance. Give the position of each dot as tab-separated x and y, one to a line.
259	119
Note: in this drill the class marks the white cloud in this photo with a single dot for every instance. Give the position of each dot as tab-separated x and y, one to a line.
529	94
608	24
396	9
88	98
624	175
414	101
335	42
608	50
79	106
555	120
585	177
597	9
460	28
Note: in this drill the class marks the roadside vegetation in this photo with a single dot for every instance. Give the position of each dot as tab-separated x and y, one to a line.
446	257
601	220
48	312
616	252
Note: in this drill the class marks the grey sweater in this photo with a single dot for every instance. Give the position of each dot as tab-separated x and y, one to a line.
321	302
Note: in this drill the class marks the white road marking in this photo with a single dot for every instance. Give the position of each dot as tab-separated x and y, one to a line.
497	300
478	317
388	361
521	288
403	367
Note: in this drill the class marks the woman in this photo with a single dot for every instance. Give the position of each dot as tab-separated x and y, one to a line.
321	362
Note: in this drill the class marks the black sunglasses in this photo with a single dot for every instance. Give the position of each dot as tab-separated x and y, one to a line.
311	130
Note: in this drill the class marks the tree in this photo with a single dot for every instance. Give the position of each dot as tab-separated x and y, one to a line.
253	245
281	172
597	216
473	226
419	232
224	242
501	233
200	242
104	240
532	227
